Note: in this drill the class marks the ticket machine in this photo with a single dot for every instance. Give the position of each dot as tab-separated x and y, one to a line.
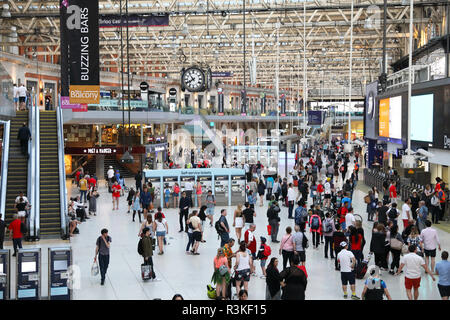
170	182
28	284
221	185
156	183
59	277
238	189
5	275
206	183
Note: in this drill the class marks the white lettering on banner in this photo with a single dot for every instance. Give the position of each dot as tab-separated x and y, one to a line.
84	63
84	94
96	151
74	20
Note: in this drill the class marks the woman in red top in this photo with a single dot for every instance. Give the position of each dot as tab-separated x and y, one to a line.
357	241
116	194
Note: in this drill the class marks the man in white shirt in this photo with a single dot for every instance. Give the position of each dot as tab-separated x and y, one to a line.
327	193
406	213
110	174
350	218
413	262
22	93
21	196
348	262
291	200
189	188
431	241
16	96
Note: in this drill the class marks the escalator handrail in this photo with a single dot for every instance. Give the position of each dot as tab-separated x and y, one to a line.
62	174
5	157
31	182
37	190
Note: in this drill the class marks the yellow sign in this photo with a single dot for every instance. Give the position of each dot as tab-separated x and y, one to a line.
84	94
384	118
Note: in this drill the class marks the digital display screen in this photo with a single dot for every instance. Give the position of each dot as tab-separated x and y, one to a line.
28	266
422	117
60	265
1	268
390	118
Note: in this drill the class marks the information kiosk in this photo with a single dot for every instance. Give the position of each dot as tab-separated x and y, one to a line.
59	273
28	284
238	189
5	275
221	190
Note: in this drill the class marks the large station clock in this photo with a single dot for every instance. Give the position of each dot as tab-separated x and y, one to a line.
193	79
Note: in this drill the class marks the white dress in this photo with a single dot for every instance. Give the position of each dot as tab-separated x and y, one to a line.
239	222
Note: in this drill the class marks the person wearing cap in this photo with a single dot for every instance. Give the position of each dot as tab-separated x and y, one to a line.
374	287
348	262
263	255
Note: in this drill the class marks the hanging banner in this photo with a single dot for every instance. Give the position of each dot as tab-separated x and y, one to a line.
220	98
315	118
134	20
220	74
81	27
83	108
243	103
263	104
283	105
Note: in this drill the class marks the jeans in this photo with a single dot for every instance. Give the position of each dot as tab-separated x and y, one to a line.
395	258
17	243
103	262
149	262
291	208
336	263
183	213
435	212
274	224
287	256
191	240
329	243
24	147
83	194
224	237
315	238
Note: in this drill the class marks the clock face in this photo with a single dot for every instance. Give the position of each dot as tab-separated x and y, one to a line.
193	79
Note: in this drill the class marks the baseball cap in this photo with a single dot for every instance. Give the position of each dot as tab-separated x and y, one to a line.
343	244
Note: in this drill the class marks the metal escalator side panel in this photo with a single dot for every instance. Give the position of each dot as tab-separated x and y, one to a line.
62	174
4	167
31	182
37	165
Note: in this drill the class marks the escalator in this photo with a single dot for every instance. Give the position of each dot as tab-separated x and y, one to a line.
50	216
17	174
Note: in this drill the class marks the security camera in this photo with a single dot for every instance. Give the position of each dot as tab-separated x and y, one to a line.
425	153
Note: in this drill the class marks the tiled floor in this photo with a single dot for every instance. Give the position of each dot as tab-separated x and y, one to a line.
189	275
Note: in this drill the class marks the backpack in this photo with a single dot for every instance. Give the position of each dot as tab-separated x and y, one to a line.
140	248
176	189
218	227
300	215
392	214
434	201
23	228
315	224
267	251
327	226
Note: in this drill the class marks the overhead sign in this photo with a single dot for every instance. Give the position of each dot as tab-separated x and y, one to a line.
173	91
144	86
80	27
134	20
315	117
65	104
225	74
83	108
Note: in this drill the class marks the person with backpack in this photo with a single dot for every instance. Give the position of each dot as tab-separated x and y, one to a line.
392	213
264	253
338	238
374	287
300	243
274	221
221	275
301	214
328	228
145	249
315	227
284	192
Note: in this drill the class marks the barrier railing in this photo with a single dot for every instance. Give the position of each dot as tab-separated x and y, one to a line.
5	157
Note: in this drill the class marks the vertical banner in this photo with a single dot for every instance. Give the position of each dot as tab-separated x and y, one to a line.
263	104
283	105
81	27
64	50
220	101
243	103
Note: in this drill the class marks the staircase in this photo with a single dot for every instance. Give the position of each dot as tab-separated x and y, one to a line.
110	160
50	219
17	166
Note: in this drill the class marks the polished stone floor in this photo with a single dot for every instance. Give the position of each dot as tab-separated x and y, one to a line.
188	274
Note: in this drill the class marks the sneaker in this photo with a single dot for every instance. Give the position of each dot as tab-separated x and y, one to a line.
188	252
355	297
345	296
156	279
262	277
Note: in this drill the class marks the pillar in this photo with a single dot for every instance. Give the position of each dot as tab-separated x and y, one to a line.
142	134
100	166
100	136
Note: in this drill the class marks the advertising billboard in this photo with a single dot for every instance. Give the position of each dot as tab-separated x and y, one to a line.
371	111
422	117
390	118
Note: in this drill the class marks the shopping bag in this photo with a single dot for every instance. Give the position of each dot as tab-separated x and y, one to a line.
146	271
94	269
269	229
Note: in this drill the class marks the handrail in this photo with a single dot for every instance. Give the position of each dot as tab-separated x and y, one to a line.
31	183
62	174
5	157
37	161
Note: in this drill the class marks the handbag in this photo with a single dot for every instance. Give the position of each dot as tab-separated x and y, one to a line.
396	244
94	269
146	271
405	249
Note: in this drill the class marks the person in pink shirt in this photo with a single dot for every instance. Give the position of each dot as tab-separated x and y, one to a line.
431	241
287	247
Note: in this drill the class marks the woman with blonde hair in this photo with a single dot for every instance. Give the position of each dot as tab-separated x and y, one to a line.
238	221
221	275
415	239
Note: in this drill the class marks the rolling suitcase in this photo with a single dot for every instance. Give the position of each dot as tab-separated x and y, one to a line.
361	268
146	271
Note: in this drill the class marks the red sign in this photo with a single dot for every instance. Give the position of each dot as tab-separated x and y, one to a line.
84	108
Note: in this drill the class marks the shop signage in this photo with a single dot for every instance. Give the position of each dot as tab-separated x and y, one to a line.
225	74
80	25
156	147
134	20
65	104
83	108
101	150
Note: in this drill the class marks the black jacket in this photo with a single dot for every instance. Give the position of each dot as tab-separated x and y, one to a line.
24	134
2	229
138	178
273	280
273	214
184	202
295	283
377	244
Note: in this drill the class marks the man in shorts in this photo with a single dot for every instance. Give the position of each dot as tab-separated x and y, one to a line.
210	204
431	242
443	271
413	262
348	262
